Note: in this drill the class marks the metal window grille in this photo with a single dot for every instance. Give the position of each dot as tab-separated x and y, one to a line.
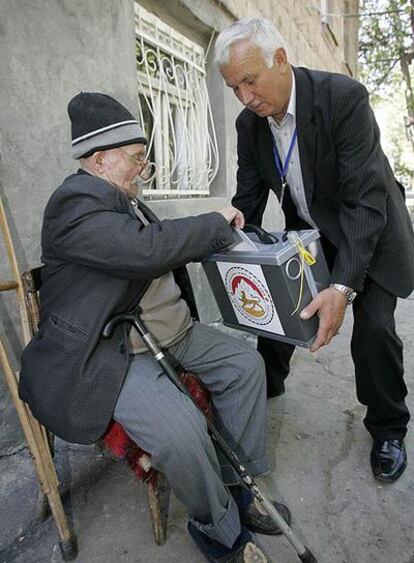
174	110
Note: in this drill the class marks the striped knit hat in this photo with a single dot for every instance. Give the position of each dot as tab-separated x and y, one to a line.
100	123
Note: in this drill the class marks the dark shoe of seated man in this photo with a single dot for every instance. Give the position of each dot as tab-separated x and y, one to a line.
388	459
253	517
244	550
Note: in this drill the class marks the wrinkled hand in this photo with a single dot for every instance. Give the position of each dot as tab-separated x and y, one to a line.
331	306
233	216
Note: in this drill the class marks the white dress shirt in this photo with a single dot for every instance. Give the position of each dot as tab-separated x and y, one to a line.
282	133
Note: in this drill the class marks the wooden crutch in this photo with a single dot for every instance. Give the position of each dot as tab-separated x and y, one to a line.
35	433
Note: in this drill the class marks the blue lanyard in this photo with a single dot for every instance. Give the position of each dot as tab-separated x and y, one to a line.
282	169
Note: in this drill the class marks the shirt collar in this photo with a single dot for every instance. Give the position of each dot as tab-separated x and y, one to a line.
291	110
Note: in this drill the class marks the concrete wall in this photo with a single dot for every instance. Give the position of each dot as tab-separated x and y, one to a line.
52	49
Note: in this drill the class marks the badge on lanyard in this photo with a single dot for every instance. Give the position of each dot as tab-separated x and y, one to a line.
283	168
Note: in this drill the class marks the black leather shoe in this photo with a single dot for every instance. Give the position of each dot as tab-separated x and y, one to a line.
256	521
388	459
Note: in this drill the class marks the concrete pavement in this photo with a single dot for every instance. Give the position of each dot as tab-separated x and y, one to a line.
319	452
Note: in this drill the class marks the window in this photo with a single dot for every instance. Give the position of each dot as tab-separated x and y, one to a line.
326	15
328	20
174	109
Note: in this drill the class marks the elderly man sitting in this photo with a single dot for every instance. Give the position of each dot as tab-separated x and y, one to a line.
105	252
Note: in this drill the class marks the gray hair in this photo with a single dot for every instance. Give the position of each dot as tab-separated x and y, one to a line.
259	31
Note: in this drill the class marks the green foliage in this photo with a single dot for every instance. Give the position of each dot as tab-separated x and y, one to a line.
383	40
385	66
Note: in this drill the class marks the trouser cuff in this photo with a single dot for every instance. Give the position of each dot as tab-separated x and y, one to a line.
227	530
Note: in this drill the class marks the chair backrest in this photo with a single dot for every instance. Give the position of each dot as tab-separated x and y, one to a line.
31	281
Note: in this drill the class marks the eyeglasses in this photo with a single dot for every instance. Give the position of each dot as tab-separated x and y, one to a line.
139	160
146	168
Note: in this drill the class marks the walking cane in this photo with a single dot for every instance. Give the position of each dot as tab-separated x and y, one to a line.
134	319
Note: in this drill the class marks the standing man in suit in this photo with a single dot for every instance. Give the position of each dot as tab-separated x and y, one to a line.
104	252
311	138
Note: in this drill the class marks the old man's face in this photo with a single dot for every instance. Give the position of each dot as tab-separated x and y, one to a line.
123	165
263	90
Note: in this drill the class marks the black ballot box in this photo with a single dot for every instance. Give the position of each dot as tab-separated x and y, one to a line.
262	287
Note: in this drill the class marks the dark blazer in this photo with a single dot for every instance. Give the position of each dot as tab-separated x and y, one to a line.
98	260
351	192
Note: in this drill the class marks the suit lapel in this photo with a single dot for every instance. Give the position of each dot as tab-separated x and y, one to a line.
307	132
128	208
148	214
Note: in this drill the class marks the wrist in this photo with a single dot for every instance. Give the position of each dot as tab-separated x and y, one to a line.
348	292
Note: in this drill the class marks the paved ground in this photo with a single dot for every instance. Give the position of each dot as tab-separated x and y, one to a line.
319	453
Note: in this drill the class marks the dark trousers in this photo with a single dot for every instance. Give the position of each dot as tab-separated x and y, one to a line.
377	353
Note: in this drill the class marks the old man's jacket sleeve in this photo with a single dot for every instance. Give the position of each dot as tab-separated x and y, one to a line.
87	225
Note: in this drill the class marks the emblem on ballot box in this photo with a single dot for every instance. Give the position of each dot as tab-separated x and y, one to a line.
263	282
250	296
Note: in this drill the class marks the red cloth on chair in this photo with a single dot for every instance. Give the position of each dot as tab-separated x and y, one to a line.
121	445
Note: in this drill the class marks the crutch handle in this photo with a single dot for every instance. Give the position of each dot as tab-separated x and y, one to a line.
114	321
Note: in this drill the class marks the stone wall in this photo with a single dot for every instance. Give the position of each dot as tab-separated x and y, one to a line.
310	42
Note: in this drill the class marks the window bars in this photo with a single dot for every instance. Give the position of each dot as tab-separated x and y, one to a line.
174	110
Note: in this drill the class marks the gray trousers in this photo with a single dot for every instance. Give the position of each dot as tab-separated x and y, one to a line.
164	422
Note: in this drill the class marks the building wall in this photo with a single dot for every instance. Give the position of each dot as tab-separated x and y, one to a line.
309	42
49	52
52	50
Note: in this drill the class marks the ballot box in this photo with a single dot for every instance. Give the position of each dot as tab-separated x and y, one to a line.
262	284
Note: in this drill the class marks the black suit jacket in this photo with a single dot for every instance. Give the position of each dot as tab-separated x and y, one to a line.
99	259
351	192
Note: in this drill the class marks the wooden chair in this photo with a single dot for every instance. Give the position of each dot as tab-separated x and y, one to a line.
116	439
34	432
